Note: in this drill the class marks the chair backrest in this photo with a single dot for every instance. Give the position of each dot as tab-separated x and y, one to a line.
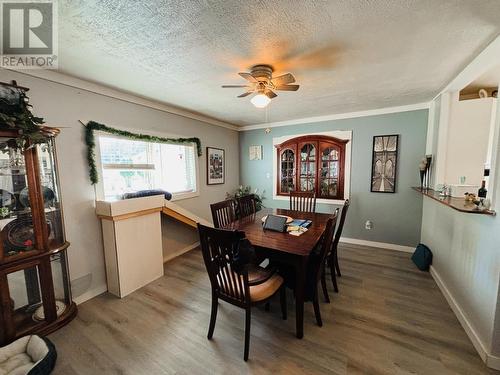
217	247
223	213
304	201
341	223
246	205
326	244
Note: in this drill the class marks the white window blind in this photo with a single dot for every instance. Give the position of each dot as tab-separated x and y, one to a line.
130	166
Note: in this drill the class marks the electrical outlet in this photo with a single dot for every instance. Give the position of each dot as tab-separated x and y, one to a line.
268	175
369	225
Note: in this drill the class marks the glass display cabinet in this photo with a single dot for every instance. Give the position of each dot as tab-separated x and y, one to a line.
313	163
35	293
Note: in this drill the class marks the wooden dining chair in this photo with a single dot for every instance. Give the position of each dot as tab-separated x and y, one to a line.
304	201
223	213
315	267
332	259
246	205
334	253
233	286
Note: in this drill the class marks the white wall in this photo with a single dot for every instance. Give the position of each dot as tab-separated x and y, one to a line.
466	262
63	106
468	139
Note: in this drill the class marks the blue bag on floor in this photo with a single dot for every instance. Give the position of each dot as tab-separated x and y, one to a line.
422	257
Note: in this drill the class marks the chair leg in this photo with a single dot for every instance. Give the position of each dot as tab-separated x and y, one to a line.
316	308
334	278
323	285
213	316
337	267
283	302
247	333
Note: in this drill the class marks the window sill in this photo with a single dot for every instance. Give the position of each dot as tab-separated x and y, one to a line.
182	196
336	202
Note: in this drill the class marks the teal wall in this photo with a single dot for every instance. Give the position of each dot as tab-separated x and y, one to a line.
396	217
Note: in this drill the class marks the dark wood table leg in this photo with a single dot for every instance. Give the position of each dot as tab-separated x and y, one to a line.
300	281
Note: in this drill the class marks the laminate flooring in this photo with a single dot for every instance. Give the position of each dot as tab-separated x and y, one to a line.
389	318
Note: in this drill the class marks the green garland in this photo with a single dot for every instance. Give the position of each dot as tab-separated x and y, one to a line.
15	114
90	140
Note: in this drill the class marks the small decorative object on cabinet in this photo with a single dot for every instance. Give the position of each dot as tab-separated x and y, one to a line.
35	294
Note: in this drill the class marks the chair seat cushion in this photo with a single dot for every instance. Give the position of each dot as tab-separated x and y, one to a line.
31	355
266	289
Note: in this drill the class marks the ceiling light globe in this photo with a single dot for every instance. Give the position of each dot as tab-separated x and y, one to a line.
260	100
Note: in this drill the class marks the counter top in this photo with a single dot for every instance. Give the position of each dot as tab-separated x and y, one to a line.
458	204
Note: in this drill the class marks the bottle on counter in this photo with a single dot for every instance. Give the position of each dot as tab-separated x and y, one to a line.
482	191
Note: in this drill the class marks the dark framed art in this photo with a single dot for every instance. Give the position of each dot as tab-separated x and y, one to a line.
216	171
384	163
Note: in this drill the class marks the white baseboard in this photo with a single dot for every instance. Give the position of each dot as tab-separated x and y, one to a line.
168	257
382	245
490	360
89	294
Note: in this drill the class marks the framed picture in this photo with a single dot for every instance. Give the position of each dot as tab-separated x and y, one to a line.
215	166
255	152
384	163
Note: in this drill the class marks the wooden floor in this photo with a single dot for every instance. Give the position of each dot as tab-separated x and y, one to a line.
388	318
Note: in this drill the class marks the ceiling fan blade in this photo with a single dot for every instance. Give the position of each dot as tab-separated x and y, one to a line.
283	80
234	86
287	87
270	94
245	94
248	77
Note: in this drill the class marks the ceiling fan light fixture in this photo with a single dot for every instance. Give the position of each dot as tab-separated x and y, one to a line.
260	100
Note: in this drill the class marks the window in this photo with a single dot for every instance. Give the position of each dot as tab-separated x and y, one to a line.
129	166
312	163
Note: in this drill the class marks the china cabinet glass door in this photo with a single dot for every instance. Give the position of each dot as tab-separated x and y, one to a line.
26	298
287	170
307	177
16	221
329	174
50	192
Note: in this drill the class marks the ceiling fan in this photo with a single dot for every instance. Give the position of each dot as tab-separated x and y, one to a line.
261	82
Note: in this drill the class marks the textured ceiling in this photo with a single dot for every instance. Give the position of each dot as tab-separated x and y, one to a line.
346	55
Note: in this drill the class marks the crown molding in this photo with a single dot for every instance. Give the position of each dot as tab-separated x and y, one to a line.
99	89
340	116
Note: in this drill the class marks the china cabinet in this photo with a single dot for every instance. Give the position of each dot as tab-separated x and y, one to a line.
311	163
35	293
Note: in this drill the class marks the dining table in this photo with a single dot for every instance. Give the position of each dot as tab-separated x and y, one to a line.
285	248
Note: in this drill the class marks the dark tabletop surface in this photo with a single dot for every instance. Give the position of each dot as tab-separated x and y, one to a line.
299	245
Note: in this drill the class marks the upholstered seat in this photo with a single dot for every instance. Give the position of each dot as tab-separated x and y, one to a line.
266	289
263	283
